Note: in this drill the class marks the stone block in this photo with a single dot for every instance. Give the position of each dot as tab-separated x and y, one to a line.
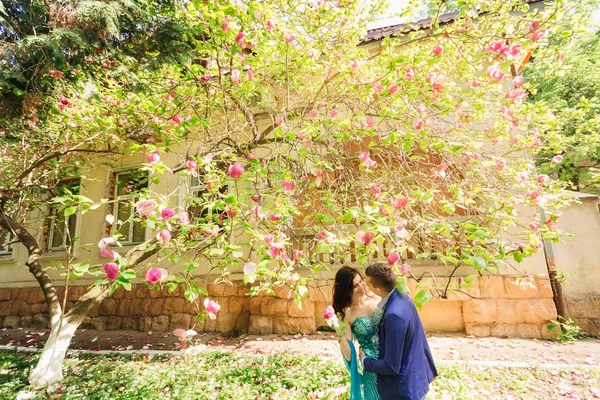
174	305
225	322
86	323
547	333
39	321
529	331
411	284
540	311
157	294
307	311
75	293
26	321
479	312
11	322
194	307
443	316
287	325
231	289
239	304
283	292
223	302
319	308
160	323
38	308
5	294
113	323
588	307
503	331
94	312
520	288
139	307
23	294
98	323
544	287
216	289
492	287
145	324
123	307
478	330
141	292
242	323
511	311
320	292
156	307
260	324
119	293
255	305
273	306
5	308
129	324
24	309
243	290
16	307
210	325
35	296
108	307
180	320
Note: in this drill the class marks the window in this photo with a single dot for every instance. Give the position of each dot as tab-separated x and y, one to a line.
5	246
128	185
201	202
61	228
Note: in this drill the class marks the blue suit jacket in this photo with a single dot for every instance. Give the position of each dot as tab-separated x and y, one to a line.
405	366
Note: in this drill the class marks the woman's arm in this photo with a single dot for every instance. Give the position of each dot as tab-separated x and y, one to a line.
343	340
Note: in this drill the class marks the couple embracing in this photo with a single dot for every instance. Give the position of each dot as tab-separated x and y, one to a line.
394	354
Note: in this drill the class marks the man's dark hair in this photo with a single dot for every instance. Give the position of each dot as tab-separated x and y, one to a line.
382	276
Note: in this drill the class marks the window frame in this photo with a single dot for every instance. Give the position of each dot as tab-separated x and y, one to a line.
132	198
7	250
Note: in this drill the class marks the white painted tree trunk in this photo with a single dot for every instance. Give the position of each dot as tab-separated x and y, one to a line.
49	367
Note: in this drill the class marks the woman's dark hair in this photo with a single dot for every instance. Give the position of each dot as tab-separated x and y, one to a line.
382	276
343	288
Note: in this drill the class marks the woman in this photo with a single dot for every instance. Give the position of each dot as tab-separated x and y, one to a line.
358	308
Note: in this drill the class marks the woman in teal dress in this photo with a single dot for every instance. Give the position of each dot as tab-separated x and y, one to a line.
358	308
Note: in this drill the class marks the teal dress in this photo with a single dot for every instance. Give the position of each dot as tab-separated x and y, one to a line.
364	386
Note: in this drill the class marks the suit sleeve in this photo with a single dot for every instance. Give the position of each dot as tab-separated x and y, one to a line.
395	333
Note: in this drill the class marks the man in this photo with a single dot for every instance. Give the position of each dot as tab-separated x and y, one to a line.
405	366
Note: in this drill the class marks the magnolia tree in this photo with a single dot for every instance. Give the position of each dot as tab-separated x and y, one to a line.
415	146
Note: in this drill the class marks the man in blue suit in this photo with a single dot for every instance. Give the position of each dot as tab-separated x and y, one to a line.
405	366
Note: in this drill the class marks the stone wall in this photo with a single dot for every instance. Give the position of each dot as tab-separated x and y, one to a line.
496	306
586	313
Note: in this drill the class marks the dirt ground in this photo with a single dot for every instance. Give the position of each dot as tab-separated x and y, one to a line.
444	346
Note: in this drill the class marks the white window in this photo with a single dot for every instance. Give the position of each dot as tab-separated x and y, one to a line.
128	186
5	246
202	202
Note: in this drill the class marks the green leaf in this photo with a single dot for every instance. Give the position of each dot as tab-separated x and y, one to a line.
70	210
421	298
469	278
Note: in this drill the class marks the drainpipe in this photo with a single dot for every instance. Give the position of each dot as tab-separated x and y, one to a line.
559	298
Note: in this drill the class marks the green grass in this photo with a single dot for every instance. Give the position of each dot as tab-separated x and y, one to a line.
227	375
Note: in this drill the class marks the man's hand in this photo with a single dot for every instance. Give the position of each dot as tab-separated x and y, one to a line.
361	353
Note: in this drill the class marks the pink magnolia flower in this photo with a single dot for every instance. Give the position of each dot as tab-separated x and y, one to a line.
516	95
249	74
184	218
105	242
176	119
376	191
236	170
405	268
225	26
155	275
329	312
393	258
111	270
145	208
363	155
354	64
270	25
551	223
289	38
164	235
64	101
113	138
110	219
534	226
557	159
543	178
518	81
249	268
251	156
437	50
370	121
401	202
418	124
279	121
255	198
314	113
333	113
274	251
167	213
239	38
55	74
235	76
153	157
322	235
364	237
560	57
297	254
110	254
537	35
410	74
211	307
494	73
192	165
180	333
289	186
500	164
393	89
